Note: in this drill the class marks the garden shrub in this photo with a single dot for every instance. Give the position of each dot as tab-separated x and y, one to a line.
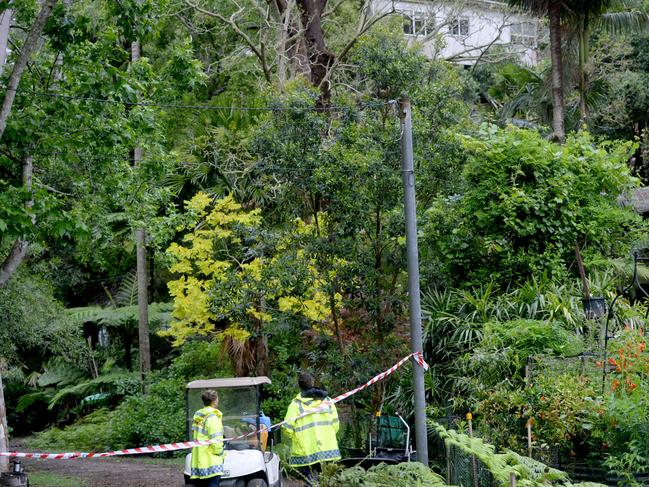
527	203
626	429
565	410
529	472
200	359
382	475
157	417
91	433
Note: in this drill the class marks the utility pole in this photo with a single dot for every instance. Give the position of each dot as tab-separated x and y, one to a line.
142	279
416	343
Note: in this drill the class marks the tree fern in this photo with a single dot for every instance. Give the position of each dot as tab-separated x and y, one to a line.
413	474
115	383
529	472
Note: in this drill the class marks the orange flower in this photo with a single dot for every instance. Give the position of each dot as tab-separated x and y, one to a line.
615	385
612	361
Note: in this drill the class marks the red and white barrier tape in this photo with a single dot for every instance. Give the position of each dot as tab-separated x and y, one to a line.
418	357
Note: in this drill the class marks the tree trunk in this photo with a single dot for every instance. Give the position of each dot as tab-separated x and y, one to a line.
29	47
142	281
320	57
19	249
558	123
5	23
583	60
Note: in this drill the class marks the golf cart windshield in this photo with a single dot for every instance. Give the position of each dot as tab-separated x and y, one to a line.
239	403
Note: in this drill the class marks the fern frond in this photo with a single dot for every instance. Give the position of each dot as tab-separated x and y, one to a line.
127	293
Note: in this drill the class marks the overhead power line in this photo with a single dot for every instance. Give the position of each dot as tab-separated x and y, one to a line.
268	108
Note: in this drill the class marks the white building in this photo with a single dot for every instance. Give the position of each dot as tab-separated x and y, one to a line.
466	31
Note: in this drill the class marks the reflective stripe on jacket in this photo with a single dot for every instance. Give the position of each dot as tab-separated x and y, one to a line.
207	461
313	437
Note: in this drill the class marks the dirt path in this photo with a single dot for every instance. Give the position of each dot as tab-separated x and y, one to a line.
109	472
115	472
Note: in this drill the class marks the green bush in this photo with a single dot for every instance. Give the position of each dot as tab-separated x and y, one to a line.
566	411
200	359
382	475
90	433
158	417
527	203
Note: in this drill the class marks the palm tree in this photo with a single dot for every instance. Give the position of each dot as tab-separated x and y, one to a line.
553	9
586	14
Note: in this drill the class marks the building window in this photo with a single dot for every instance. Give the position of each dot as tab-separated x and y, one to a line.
523	33
417	24
458	26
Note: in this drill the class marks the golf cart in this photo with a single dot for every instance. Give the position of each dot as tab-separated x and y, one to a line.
390	445
248	462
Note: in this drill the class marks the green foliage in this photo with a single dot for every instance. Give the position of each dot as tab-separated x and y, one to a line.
199	360
33	320
157	417
529	337
388	66
115	383
529	473
91	433
527	202
48	479
123	316
382	475
626	424
565	411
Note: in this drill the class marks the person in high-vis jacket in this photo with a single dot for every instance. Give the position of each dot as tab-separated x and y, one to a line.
207	461
313	437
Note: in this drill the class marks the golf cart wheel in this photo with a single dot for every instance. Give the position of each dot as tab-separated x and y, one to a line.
256	483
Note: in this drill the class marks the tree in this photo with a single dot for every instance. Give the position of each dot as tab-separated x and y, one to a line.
293	33
236	280
527	202
19	249
554	10
588	14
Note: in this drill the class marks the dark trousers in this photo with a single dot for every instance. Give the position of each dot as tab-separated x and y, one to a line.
211	482
310	474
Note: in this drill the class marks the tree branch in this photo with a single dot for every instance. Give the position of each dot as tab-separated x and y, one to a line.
29	47
232	23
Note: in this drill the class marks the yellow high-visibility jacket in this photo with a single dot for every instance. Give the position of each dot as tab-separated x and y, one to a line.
313	437
207	461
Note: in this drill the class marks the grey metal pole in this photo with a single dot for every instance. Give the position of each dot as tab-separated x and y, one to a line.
408	173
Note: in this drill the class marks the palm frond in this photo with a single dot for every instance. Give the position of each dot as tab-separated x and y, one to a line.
623	22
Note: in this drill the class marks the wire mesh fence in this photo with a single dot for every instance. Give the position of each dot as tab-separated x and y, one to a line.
458	467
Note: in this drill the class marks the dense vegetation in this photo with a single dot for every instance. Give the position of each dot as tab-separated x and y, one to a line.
270	195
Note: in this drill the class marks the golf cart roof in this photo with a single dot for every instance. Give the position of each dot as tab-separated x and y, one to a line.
229	382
